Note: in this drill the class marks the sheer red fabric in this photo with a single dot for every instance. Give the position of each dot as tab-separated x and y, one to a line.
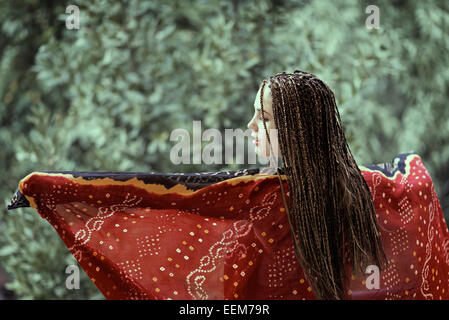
226	235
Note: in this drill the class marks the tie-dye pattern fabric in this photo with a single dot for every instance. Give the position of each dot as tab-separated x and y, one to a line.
225	235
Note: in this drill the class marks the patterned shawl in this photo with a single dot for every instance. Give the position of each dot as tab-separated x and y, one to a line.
225	235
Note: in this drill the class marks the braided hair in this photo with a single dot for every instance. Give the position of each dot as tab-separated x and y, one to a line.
331	216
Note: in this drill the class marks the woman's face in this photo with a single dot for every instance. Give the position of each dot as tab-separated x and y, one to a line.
260	141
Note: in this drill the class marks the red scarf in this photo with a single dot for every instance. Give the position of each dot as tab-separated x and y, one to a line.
226	235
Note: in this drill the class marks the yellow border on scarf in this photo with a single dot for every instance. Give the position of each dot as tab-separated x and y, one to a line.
179	188
154	188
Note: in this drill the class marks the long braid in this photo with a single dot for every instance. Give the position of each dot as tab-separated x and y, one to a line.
331	216
287	207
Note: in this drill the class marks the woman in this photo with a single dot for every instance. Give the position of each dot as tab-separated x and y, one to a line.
332	214
225	235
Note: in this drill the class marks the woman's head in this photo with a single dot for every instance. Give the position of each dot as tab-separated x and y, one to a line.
256	124
332	216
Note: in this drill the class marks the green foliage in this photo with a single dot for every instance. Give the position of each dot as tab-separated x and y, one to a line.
107	96
38	260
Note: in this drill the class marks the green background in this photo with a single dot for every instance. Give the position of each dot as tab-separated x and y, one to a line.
107	96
